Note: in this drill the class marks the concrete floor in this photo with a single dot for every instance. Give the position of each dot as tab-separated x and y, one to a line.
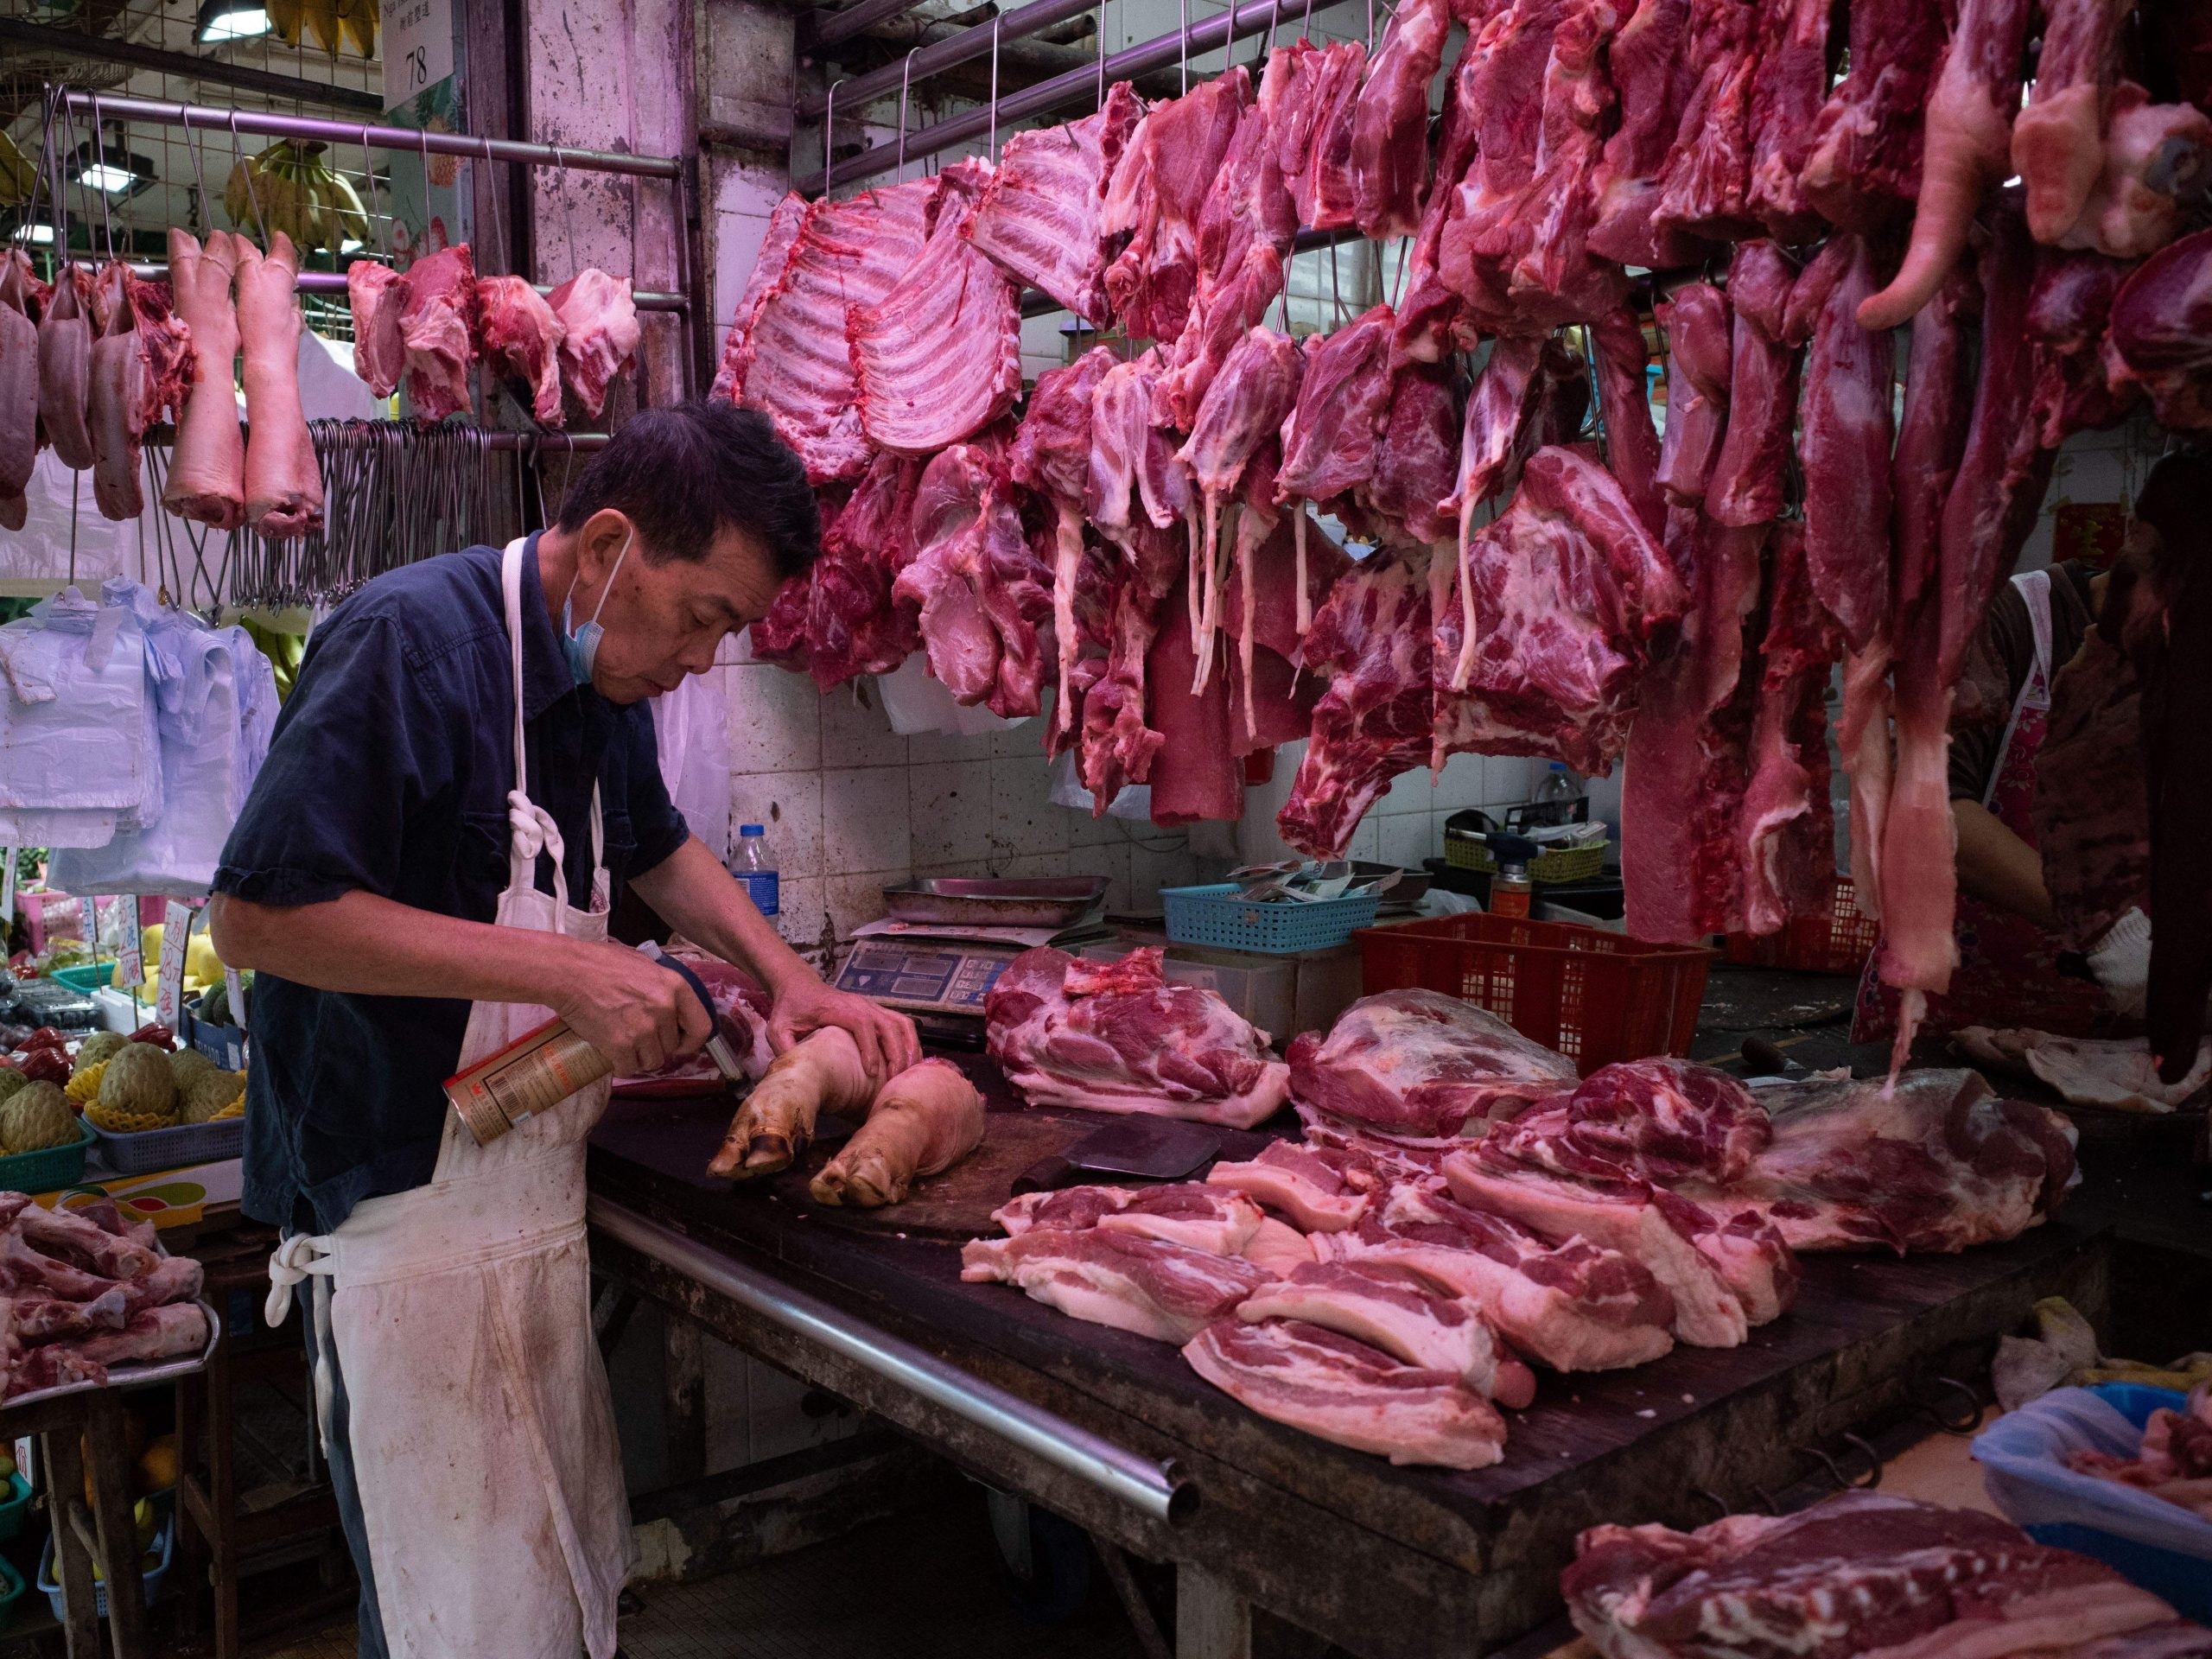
926	1586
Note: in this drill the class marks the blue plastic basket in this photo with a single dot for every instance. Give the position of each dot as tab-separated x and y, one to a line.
164	1546
11	1591
142	1152
2183	1580
1215	915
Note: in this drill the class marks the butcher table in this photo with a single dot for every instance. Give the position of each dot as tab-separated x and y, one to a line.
1117	1433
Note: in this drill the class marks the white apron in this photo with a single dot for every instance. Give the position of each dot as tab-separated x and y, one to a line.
482	1428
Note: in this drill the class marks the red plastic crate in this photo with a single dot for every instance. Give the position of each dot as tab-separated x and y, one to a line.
1594	995
1836	943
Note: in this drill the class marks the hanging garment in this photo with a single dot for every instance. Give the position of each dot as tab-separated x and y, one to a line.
481	1427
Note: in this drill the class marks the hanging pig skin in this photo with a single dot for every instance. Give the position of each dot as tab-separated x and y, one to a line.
207	475
284	486
65	368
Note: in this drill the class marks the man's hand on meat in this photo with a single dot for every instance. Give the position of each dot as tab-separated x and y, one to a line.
887	1040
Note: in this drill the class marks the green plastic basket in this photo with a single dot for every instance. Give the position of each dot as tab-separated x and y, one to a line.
17	1505
49	1169
11	1590
87	976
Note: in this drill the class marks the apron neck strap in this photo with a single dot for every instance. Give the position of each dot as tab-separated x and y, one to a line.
531	828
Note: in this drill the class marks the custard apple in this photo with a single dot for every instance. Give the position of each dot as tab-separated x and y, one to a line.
188	1064
36	1116
208	1093
138	1080
11	1081
98	1047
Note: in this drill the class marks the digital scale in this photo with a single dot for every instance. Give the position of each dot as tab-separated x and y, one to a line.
946	942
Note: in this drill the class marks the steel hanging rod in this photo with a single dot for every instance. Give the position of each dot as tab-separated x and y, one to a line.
1078	85
974	41
160	112
818	29
334	281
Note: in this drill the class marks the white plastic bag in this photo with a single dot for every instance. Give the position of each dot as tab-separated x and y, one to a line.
1131	801
2023	1466
79	756
691	729
917	702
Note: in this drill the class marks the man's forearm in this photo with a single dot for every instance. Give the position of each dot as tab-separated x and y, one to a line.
1999	867
693	893
373	946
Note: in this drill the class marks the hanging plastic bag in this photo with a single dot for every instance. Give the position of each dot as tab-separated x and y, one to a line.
79	754
1131	801
691	727
917	702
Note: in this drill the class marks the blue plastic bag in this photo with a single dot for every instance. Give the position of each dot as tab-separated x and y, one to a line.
2160	1545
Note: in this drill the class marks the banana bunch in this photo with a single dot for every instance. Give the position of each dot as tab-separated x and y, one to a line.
332	23
297	193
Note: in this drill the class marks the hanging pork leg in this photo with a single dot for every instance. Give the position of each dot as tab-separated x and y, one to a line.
65	367
206	476
284	488
18	378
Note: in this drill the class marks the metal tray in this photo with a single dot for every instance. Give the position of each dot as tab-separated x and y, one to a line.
1042	901
134	1377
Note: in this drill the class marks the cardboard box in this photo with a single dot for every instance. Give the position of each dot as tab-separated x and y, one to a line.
168	1198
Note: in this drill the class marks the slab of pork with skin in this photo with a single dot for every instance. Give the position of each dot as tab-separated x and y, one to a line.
522	336
141	366
65	366
207	475
599	335
283	483
19	384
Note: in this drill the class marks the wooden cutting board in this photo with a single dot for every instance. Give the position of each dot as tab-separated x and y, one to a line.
958	1203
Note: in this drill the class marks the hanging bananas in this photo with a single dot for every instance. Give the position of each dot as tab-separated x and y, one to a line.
298	193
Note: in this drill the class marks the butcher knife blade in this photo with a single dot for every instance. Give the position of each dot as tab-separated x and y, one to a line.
1156	1148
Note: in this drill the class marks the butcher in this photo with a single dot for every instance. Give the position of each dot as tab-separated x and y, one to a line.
2010	970
462	782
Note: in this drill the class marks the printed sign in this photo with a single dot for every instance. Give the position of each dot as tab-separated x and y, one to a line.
234	989
417	45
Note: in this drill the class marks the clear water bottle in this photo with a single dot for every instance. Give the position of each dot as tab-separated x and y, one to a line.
1559	798
755	867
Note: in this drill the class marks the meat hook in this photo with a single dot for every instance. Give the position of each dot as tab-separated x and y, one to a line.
1306	29
1102	61
906	80
252	195
1184	9
568	224
1274	22
1873	1457
828	136
1843	1482
996	19
199	179
1714	1498
491	211
100	154
376	217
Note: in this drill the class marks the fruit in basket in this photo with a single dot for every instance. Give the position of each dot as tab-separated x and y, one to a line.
206	1096
36	1117
10	1080
157	1465
187	1064
98	1047
85	1088
138	1083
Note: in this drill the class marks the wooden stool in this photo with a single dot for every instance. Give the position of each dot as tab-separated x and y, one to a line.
107	1531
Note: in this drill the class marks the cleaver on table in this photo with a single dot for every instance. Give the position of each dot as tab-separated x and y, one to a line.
1157	1149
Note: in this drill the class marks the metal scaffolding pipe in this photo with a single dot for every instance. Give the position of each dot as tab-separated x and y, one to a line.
161	113
970	43
1157	1489
67	43
818	29
1077	85
334	281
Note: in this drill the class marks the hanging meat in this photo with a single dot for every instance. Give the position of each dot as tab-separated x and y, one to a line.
437	331
980	588
19	383
207	473
1039	218
377	295
65	366
599	335
522	337
283	484
940	357
1389	147
140	369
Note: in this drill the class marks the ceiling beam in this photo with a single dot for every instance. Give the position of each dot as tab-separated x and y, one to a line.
38	37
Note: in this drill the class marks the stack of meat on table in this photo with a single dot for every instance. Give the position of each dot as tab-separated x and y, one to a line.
1782	185
84	1289
1460	1207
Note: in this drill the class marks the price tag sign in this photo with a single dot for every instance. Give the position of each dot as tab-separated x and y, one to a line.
417	45
8	883
120	916
234	988
169	988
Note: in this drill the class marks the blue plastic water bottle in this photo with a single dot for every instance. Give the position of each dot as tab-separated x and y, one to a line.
755	867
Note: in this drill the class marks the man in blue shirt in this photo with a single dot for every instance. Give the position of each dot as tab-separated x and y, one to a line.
398	879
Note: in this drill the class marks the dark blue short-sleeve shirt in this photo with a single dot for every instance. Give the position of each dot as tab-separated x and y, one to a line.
388	774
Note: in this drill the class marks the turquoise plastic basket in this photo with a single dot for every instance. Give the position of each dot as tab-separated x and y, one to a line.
1214	915
11	1590
48	1169
15	1508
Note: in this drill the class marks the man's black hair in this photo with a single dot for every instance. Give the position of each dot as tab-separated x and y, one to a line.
681	474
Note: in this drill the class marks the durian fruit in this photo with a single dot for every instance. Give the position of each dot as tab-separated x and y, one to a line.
97	1047
139	1084
207	1095
84	1087
36	1117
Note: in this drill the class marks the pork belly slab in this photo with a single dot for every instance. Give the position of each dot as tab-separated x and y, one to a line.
1344	1391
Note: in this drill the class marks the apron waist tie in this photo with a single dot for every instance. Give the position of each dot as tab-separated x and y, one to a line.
296	1258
